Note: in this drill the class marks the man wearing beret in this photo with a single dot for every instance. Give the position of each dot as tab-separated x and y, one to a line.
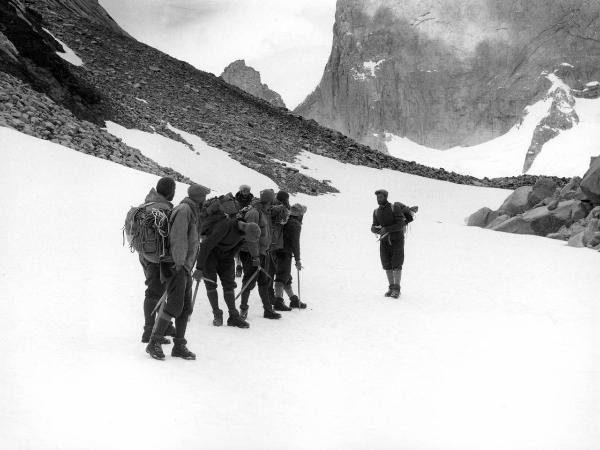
389	222
183	240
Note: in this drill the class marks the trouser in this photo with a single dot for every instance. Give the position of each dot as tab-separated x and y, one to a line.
155	288
391	252
222	265
262	280
179	297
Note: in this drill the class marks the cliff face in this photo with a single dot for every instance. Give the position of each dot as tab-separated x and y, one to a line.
28	52
449	72
248	79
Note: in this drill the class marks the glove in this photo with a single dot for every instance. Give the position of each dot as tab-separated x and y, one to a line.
178	268
239	271
382	231
197	275
256	261
299	265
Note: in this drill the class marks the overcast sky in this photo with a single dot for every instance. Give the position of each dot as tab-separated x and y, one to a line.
287	41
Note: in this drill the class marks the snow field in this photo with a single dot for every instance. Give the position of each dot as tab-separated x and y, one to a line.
493	344
566	155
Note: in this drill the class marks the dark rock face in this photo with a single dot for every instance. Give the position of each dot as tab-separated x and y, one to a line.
29	53
451	72
248	79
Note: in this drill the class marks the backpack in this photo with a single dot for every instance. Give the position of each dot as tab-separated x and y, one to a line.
147	230
404	211
224	203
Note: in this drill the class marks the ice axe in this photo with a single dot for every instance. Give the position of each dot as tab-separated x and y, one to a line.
196	291
160	302
251	279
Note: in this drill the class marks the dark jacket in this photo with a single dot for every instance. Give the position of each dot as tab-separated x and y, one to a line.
226	237
259	215
392	219
279	217
244	201
291	237
183	235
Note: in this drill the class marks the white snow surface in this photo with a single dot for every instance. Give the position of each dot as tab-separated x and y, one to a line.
68	55
494	343
566	155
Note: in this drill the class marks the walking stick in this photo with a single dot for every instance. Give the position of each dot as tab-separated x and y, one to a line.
298	278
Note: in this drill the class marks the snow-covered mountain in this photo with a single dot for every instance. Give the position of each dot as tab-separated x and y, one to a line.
557	136
480	348
449	73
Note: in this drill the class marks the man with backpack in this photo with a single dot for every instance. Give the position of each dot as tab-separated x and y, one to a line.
389	222
244	199
255	268
216	257
280	212
159	198
283	258
183	240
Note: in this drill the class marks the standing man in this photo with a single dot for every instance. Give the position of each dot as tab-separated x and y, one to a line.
280	212
216	257
389	222
183	239
260	215
291	248
160	198
244	198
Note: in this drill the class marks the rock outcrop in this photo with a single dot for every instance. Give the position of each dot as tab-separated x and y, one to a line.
248	79
452	72
570	213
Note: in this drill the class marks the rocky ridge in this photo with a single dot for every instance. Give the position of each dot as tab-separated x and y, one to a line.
248	79
447	73
35	114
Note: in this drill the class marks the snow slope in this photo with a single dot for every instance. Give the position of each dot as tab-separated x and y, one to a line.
567	155
493	345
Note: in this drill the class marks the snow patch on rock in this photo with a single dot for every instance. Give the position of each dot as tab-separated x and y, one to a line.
68	55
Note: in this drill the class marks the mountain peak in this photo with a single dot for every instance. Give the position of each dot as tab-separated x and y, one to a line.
248	79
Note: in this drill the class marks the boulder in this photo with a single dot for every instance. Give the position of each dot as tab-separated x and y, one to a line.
517	202
543	188
481	218
542	221
590	184
569	191
497	221
591	235
576	241
516	225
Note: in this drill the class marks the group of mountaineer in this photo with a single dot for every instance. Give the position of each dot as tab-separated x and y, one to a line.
201	240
